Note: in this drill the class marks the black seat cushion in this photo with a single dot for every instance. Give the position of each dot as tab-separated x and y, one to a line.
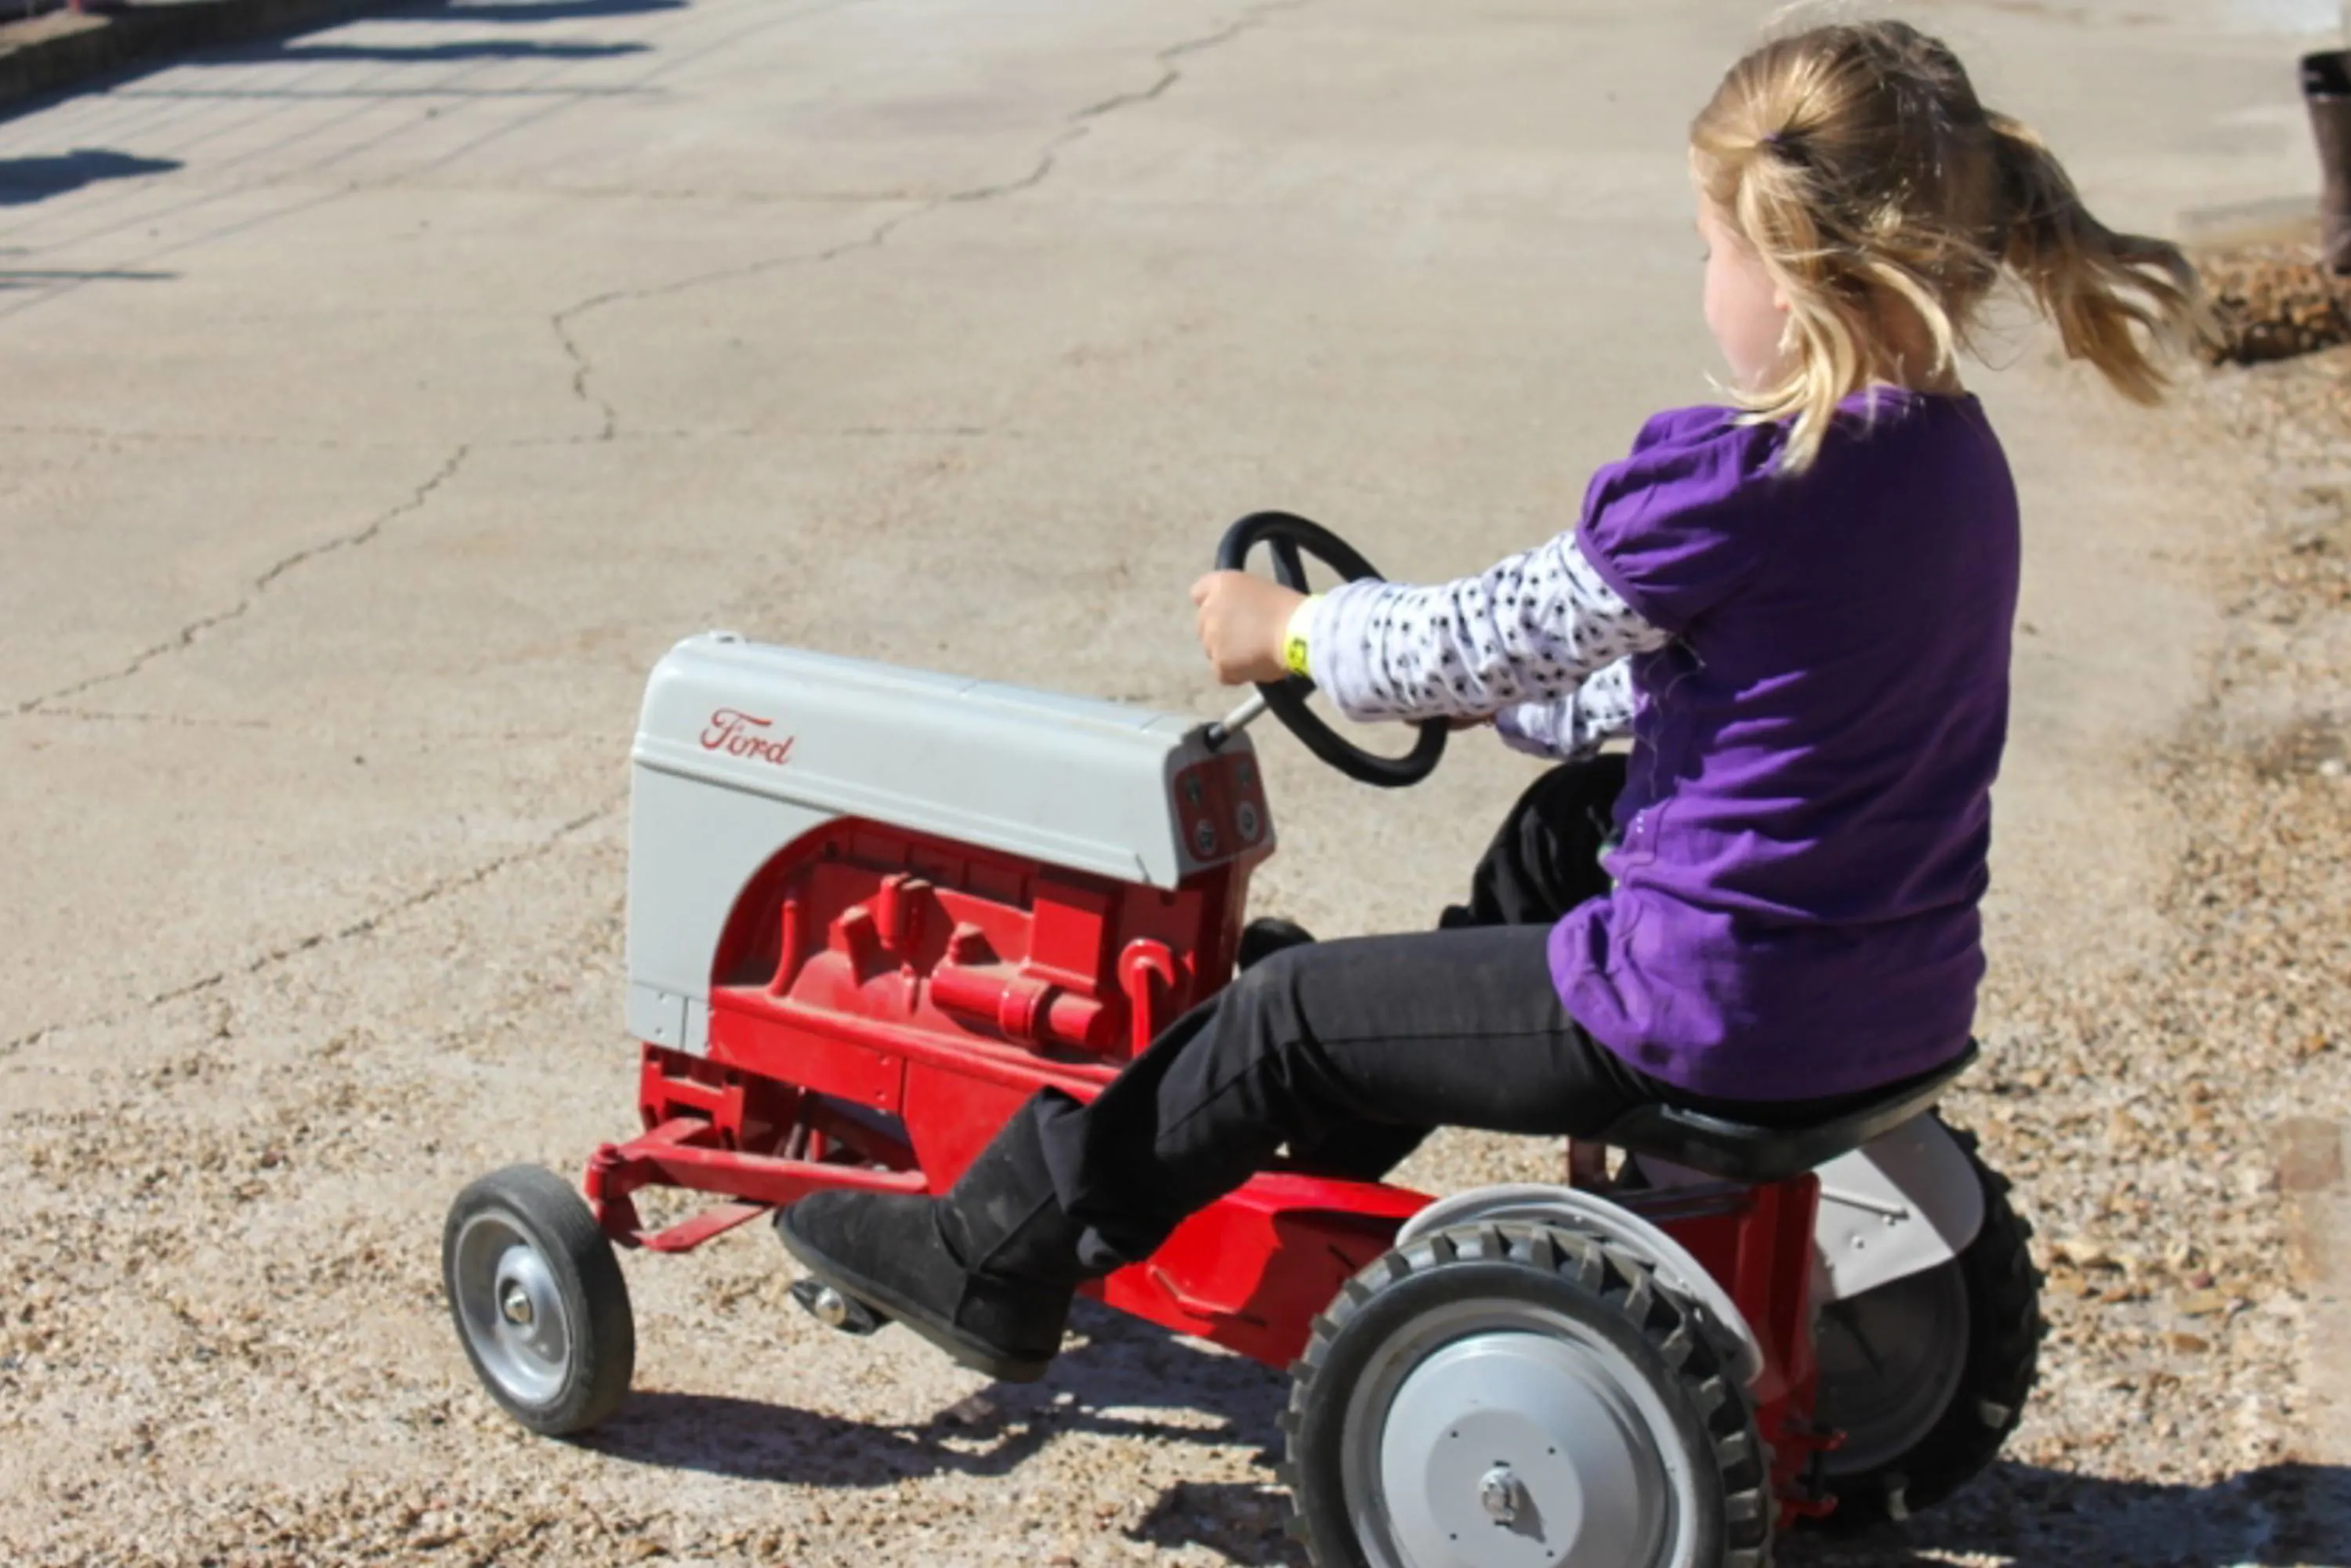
1746	1151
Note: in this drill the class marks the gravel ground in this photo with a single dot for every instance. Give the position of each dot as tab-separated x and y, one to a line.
223	1340
227	1344
2273	302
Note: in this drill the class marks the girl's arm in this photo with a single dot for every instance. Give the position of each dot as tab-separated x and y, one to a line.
1572	726
1527	632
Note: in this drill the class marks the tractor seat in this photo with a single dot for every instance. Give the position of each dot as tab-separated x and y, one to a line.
1746	1151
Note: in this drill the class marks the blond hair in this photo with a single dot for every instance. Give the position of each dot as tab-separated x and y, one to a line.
1856	161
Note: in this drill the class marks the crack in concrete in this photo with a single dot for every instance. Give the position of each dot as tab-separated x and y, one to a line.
1170	75
1073	127
363	926
168	720
582	368
192	437
509	443
782	432
187	635
378	737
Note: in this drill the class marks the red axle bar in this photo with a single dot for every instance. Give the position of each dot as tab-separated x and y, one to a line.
672	1155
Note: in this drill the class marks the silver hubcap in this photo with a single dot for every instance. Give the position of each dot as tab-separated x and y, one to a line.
1504	1435
511	1308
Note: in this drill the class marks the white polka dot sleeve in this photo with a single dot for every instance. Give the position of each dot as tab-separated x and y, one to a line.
1575	726
1529	630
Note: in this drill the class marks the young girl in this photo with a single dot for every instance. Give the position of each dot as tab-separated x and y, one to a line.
1801	605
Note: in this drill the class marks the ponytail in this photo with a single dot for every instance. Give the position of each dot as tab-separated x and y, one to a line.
2124	302
1857	161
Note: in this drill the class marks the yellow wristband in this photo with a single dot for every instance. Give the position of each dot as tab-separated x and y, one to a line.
1293	638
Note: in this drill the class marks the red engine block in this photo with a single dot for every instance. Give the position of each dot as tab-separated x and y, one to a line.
882	1002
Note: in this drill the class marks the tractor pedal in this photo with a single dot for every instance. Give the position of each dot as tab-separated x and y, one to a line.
831	1308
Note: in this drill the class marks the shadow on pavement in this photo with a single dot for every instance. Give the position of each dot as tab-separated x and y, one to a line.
431	54
1241	1523
302	50
2281	1516
1132	1379
508	12
745	1440
1125	1377
26	180
2290	1515
1129	1379
12	278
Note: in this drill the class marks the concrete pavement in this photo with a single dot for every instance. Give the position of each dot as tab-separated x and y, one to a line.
453	351
359	457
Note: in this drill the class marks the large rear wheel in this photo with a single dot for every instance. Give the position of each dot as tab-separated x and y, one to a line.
1928	1376
1499	1395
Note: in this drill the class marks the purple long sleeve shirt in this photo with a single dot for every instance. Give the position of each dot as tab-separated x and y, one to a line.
1808	811
1818	670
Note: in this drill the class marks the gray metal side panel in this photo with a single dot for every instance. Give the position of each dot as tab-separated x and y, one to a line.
1069	781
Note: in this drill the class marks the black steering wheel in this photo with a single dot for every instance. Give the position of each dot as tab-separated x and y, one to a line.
1287	534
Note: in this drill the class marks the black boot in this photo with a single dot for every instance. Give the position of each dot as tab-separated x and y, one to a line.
986	1272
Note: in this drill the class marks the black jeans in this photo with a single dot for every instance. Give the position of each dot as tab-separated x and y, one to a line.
1349	1053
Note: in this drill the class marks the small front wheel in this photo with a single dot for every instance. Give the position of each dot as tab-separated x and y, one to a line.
538	1300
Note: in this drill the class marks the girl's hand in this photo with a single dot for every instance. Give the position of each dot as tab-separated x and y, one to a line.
1243	621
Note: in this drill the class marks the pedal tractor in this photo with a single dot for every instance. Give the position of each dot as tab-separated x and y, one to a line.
871	909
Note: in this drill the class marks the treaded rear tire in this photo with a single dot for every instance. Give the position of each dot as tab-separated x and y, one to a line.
1604	1289
2002	1353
